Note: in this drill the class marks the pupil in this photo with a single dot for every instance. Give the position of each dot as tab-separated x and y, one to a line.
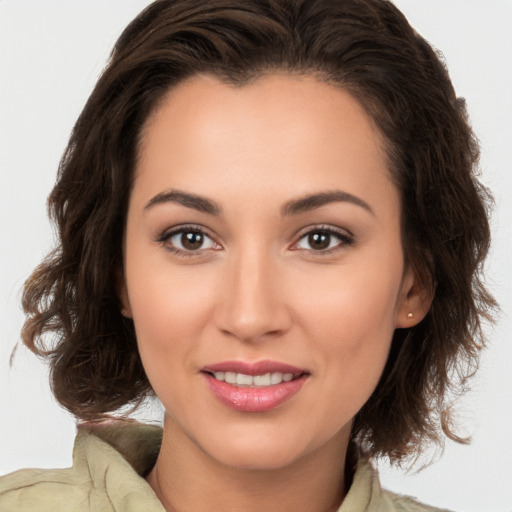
192	240
319	240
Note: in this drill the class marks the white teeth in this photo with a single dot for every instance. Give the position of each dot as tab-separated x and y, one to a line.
276	378
230	377
241	379
262	380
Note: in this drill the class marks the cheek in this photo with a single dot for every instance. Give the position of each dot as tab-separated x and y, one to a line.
350	319
170	309
354	338
351	301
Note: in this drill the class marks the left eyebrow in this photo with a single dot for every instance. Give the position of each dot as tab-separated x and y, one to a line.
313	201
199	203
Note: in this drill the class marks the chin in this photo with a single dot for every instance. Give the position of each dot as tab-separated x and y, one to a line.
258	451
255	459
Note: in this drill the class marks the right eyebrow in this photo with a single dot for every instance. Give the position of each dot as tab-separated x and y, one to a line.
199	203
310	202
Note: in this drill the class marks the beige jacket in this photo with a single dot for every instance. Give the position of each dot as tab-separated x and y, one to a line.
106	477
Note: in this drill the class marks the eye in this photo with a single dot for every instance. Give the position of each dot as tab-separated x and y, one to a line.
323	240
188	240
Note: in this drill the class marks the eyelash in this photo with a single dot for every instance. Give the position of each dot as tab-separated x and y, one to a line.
166	236
345	239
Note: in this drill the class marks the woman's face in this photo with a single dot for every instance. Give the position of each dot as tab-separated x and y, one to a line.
263	245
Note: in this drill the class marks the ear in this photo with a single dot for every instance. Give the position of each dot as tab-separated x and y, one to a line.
415	299
122	293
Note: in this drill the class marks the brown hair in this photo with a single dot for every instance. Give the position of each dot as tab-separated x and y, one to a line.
363	46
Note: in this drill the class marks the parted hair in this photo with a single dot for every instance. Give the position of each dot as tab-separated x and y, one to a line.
365	47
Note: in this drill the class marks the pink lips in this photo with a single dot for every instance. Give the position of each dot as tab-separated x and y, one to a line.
254	399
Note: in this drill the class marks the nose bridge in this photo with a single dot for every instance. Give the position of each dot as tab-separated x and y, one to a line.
253	304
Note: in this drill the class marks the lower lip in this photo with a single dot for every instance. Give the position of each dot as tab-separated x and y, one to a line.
249	399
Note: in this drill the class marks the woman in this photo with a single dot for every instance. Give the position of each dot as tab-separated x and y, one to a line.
269	218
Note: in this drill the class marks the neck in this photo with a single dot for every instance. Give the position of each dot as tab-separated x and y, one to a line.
186	479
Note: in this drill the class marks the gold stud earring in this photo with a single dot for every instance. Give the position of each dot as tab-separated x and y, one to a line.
410	315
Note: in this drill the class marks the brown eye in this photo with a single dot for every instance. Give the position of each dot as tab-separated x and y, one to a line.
189	240
192	240
319	241
324	241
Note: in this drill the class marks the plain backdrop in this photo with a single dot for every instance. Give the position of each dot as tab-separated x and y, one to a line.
51	53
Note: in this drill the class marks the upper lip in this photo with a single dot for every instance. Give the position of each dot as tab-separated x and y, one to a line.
253	368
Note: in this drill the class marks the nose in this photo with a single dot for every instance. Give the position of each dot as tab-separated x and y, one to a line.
253	305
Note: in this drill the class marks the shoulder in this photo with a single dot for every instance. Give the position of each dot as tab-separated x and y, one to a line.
401	503
107	475
367	495
40	490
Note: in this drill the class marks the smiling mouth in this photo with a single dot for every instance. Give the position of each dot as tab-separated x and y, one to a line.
254	381
254	387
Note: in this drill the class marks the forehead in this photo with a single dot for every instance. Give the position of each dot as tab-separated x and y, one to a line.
293	132
291	98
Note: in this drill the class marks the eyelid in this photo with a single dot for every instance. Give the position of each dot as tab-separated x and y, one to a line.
346	238
164	236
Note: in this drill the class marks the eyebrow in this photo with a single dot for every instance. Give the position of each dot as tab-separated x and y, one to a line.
313	201
186	199
294	207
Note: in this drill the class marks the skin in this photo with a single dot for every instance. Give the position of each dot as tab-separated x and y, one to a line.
257	289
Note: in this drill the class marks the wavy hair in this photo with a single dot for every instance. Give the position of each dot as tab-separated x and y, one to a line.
365	47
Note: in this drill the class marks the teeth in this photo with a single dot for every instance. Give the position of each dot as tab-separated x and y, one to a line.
240	379
243	380
230	377
276	378
263	380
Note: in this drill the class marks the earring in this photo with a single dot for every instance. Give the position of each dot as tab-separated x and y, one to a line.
410	315
125	313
